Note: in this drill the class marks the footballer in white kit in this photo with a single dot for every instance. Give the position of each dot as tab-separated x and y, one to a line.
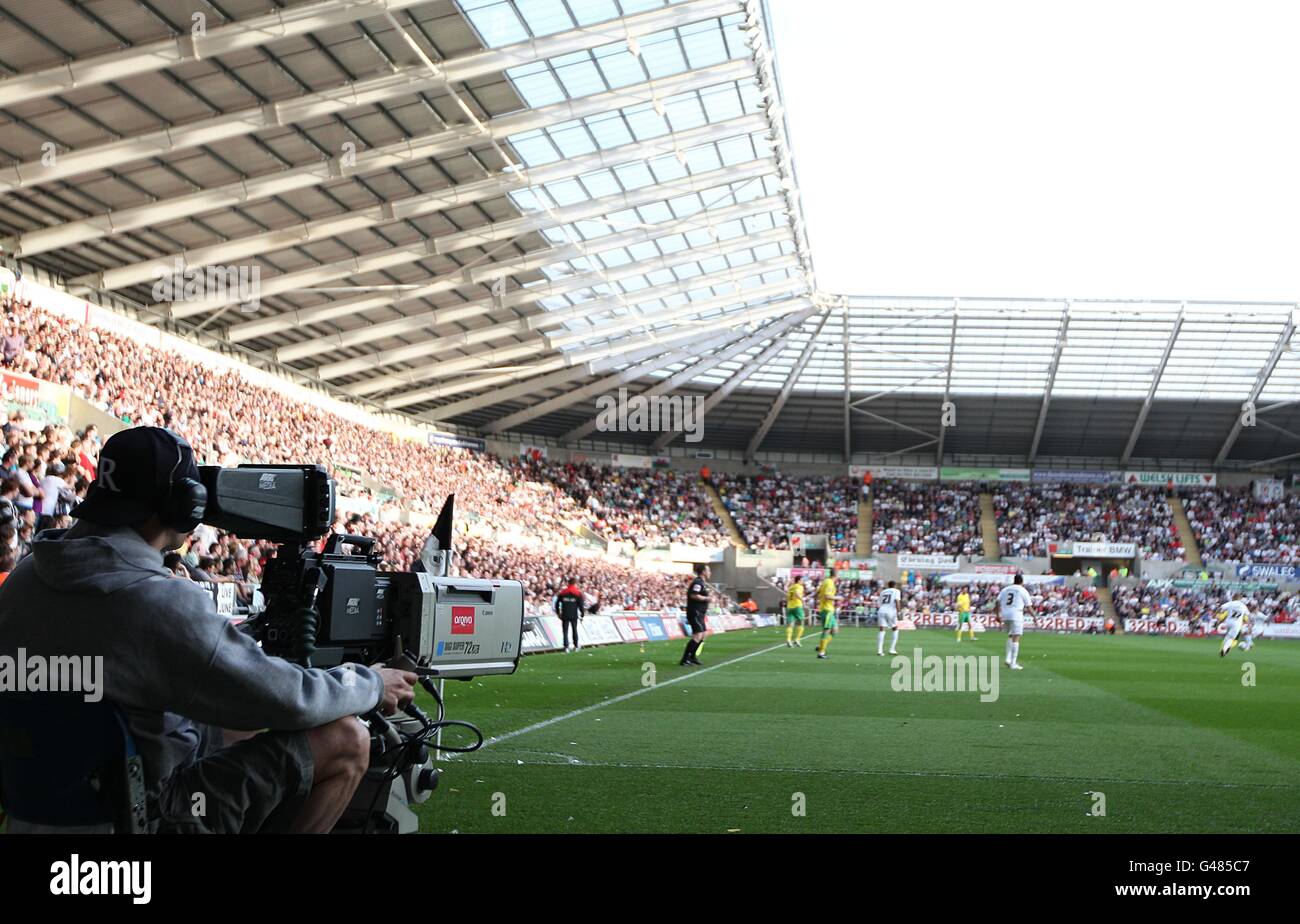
1011	607
887	618
1236	619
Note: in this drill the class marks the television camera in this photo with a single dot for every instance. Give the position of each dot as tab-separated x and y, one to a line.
326	606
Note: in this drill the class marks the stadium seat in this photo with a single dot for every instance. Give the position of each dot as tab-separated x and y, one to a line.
68	766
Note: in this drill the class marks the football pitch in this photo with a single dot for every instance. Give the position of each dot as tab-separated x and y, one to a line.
1160	733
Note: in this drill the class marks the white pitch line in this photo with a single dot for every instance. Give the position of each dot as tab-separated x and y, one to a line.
937	774
623	698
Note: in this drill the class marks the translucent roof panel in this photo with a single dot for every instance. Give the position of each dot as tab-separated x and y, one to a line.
1007	347
1221	350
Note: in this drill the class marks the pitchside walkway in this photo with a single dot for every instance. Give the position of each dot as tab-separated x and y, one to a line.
1185	534
989	527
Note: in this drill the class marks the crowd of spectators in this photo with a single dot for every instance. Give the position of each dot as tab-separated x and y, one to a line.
606	585
1162	601
543	571
770	508
1231	525
1032	517
517	513
938	519
229	420
934	596
647	507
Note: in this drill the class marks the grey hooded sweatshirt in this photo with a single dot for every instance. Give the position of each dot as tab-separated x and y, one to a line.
169	661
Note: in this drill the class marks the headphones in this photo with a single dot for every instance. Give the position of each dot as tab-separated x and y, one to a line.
186	500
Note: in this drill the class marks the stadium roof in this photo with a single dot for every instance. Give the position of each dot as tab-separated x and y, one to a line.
487	213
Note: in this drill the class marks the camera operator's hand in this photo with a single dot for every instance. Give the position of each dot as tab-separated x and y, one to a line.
399	688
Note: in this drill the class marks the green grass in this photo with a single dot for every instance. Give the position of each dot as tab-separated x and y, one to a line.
1162	726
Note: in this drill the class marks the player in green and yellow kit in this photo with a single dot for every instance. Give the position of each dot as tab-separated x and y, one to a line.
963	614
794	613
826	609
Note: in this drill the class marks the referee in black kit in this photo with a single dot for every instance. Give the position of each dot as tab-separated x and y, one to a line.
697	604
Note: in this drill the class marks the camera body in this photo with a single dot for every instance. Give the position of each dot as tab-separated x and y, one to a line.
329	606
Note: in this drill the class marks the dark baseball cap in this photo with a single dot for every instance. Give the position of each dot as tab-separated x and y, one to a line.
135	472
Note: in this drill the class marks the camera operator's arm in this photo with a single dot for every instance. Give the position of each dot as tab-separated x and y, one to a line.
218	675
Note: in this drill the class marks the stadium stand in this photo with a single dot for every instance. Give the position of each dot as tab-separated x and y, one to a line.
769	508
504	502
1031	517
229	420
1162	601
1231	525
925	518
645	507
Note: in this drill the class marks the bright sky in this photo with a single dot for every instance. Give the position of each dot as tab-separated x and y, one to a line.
1027	148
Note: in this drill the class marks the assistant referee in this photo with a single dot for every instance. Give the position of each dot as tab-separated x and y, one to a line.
697	604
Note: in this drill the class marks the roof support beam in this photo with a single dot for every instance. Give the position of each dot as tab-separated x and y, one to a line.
741	295
442	368
703	365
1155	386
947	383
1061	338
369	333
524	327
405	82
407	324
848	383
1283	430
409	207
1261	380
238	35
605	351
491	380
489	272
894	389
784	395
480	236
591	389
931	438
401	153
1276	460
720	394
527	385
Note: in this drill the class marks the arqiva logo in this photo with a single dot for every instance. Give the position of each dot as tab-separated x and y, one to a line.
462	620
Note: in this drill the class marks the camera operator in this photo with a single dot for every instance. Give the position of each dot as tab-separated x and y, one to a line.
179	672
